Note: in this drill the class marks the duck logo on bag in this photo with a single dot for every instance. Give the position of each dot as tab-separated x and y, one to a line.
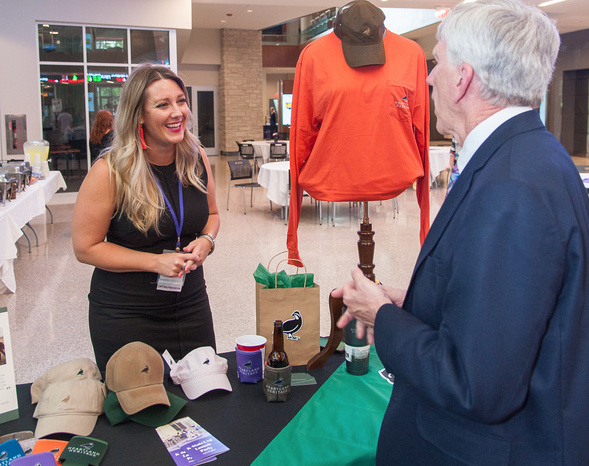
292	326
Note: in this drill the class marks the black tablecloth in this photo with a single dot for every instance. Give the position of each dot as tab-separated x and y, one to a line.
242	420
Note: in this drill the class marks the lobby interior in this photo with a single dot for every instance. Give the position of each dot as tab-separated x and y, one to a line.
48	312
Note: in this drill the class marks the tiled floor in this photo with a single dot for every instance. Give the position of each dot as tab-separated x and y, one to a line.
48	313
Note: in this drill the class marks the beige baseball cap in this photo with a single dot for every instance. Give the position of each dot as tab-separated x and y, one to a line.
78	369
69	407
136	374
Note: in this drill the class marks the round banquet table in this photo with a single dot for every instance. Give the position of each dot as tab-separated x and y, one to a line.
439	160
274	176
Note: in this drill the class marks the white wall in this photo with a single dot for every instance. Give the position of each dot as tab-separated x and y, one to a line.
201	58
19	78
203	48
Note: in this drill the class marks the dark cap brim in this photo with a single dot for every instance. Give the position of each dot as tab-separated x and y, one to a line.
364	55
152	416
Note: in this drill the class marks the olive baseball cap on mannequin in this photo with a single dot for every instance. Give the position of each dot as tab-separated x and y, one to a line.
360	27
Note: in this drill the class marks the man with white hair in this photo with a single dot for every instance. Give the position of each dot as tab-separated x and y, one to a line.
490	343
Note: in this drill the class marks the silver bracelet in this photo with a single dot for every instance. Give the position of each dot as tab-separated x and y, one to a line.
211	240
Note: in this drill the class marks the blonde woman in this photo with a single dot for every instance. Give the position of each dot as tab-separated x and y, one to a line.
146	217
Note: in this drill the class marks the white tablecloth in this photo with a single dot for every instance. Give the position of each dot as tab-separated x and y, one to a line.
262	150
585	178
439	159
275	177
15	215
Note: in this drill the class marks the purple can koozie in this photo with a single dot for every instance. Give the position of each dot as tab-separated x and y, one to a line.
249	365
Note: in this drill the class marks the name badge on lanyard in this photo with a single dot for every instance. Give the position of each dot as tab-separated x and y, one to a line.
174	284
170	283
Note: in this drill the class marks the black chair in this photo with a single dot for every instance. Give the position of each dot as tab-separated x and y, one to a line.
241	170
278	151
246	152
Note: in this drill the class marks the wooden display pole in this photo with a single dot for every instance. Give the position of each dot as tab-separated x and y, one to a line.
336	305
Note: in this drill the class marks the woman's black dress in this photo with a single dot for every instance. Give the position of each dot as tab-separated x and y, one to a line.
126	307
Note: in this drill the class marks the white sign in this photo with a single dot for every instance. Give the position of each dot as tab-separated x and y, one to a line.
8	398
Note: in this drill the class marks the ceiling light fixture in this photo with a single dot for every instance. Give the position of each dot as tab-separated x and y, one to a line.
551	2
442	11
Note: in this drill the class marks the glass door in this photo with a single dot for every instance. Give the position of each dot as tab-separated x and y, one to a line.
204	110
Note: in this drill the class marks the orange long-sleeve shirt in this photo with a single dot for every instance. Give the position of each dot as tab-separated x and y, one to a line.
358	134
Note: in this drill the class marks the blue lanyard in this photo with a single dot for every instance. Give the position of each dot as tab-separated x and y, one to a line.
176	223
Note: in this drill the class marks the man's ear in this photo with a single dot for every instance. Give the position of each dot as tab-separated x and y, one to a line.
466	76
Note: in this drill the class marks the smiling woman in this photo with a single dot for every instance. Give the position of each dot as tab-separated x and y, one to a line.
164	120
153	197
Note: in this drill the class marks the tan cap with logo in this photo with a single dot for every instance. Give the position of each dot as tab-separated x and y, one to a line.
70	407
136	374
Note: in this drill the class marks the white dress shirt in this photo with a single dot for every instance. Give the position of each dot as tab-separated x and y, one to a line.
482	131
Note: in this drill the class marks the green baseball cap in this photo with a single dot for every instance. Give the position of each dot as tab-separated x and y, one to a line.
152	416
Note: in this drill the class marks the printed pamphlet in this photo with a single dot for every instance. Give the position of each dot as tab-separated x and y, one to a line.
188	443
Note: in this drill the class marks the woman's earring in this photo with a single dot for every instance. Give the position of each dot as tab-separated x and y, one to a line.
143	145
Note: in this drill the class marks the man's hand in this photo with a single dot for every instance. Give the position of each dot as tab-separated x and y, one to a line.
363	298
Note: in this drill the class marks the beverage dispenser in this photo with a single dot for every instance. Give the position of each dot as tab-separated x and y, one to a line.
36	153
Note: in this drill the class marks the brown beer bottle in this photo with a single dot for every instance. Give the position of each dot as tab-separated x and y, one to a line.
277	358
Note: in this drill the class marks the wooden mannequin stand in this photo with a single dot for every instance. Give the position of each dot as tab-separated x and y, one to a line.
336	305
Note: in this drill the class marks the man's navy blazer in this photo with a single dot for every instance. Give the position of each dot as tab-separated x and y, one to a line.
492	356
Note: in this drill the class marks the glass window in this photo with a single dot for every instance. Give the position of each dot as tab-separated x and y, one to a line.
106	45
60	43
150	46
104	89
64	117
82	71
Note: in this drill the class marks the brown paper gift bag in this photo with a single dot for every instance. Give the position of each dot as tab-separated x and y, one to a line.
298	308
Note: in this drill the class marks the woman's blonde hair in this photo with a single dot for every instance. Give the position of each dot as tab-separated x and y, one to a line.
137	194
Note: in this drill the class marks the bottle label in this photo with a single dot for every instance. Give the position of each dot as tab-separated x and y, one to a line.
357	353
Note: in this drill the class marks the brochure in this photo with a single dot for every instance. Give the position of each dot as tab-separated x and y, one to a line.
188	443
8	398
